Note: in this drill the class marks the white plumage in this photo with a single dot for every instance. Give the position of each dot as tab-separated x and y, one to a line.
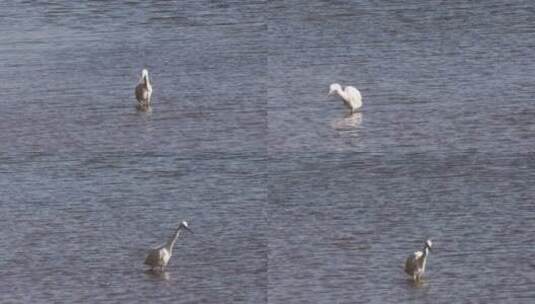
350	95
415	263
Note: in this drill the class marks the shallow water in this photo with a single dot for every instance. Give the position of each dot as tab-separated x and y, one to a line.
89	184
291	199
442	149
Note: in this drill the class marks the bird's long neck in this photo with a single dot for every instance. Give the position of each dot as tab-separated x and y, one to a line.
341	93
424	258
146	81
172	241
426	251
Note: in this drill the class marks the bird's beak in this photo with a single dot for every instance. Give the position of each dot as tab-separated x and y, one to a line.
187	229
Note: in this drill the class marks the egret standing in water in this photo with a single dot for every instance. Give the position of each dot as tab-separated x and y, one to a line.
350	95
144	91
415	264
159	257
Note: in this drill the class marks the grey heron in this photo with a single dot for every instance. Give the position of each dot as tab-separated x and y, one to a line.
144	91
159	257
415	264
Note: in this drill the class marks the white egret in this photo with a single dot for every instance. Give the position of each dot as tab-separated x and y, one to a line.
350	95
159	257
415	264
144	91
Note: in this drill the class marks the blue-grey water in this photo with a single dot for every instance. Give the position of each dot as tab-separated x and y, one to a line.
291	199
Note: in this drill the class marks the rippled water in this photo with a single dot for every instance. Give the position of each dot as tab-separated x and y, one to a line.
291	199
442	149
89	184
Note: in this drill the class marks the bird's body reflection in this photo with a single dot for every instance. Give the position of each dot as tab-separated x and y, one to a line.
349	121
158	275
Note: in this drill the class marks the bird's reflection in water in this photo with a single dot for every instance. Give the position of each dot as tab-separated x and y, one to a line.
144	109
417	284
349	121
158	275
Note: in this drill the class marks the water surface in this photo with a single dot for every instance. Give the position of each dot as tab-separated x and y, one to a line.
291	199
89	184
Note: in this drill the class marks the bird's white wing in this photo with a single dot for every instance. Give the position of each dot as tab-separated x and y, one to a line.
352	98
353	92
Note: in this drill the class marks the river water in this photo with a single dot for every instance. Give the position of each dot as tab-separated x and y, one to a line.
291	199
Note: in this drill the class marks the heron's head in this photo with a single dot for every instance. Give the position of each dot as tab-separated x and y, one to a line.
185	225
334	87
428	244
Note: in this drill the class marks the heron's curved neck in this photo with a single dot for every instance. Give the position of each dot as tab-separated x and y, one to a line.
341	93
146	81
424	257
426	251
171	242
